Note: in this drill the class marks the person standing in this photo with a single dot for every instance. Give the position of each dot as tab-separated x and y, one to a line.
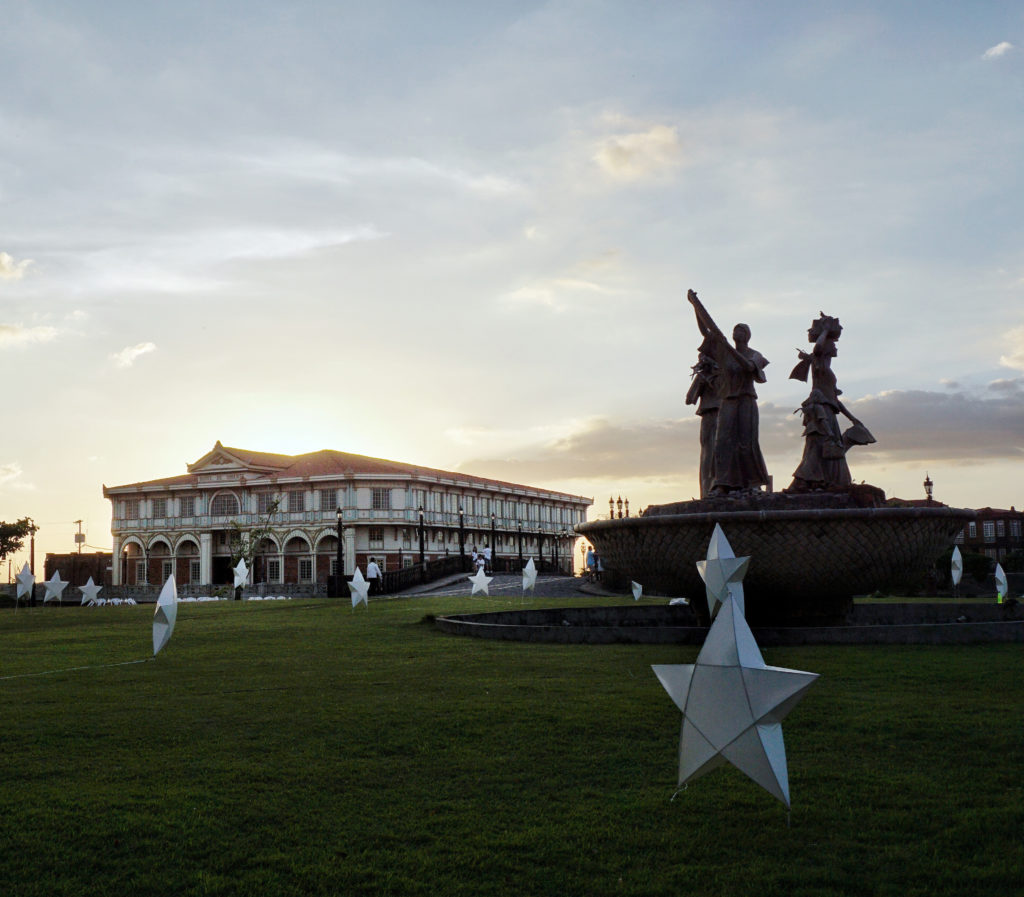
374	577
591	563
487	559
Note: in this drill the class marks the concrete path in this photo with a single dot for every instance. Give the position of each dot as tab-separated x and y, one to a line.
508	585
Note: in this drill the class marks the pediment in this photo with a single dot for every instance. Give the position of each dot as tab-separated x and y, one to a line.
222	460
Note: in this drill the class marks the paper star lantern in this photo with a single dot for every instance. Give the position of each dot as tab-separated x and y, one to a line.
956	566
480	582
359	588
733	705
166	614
54	586
26	582
89	592
241	573
1002	586
529	576
638	590
722	573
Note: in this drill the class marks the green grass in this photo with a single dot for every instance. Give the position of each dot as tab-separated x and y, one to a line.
303	748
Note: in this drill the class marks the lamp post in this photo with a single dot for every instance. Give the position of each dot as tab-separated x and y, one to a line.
462	538
555	539
339	567
611	508
520	526
494	548
423	560
619	503
928	486
627	507
540	548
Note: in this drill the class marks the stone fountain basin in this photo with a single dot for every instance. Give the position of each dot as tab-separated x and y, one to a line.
806	564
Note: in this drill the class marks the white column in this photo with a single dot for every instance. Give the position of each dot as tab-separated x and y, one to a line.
206	558
115	563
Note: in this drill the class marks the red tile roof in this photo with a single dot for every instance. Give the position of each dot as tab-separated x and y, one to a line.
326	463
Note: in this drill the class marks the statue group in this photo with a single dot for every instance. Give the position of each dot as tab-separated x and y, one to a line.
723	391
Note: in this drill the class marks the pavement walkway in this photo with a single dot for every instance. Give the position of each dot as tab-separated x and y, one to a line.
508	584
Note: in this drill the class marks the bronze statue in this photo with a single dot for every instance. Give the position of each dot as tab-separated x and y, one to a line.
737	460
823	465
703	393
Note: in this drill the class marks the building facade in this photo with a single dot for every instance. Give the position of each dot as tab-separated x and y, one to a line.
184	524
996	533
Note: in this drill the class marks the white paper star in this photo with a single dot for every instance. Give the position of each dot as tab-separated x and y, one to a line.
1002	586
241	573
733	705
166	614
359	588
89	592
722	573
26	582
956	566
480	582
638	590
529	576
54	586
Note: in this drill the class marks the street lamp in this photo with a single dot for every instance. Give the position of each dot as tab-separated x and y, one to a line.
928	485
339	567
520	527
619	503
462	538
494	547
423	560
540	548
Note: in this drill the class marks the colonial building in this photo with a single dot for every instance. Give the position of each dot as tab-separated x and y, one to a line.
183	524
997	532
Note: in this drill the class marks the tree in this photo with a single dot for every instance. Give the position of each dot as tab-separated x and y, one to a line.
245	543
12	536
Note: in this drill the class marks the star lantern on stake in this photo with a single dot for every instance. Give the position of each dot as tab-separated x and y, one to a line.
54	587
241	573
89	592
529	576
637	589
359	589
1002	585
722	573
481	583
26	582
733	705
165	615
956	566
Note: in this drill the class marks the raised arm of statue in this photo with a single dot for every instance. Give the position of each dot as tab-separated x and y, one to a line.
705	322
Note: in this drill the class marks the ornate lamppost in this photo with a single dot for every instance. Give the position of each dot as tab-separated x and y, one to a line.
520	526
540	548
423	560
611	508
494	547
928	486
619	503
339	566
462	538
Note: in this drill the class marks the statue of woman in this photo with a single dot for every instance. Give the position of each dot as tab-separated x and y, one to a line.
738	462
823	465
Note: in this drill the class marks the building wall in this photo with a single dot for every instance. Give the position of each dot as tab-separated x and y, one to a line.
995	533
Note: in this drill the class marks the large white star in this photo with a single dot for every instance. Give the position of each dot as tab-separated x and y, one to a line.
241	573
54	586
26	582
637	589
722	572
733	705
529	576
480	582
1002	586
359	588
89	592
165	615
956	566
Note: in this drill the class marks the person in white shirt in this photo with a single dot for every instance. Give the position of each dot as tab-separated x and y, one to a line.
487	559
373	577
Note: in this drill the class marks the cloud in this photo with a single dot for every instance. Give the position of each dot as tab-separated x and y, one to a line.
1000	49
632	157
10	269
16	335
126	357
910	425
10	474
1015	354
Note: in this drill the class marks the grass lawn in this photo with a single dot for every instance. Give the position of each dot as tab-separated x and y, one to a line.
303	748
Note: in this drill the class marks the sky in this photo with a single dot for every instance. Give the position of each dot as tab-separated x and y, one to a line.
461	234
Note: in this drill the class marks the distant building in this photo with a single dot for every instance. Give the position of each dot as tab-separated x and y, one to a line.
996	532
75	569
182	524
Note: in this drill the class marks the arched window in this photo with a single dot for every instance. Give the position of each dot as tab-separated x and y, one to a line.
224	505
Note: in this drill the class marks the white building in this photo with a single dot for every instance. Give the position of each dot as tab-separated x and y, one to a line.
182	524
